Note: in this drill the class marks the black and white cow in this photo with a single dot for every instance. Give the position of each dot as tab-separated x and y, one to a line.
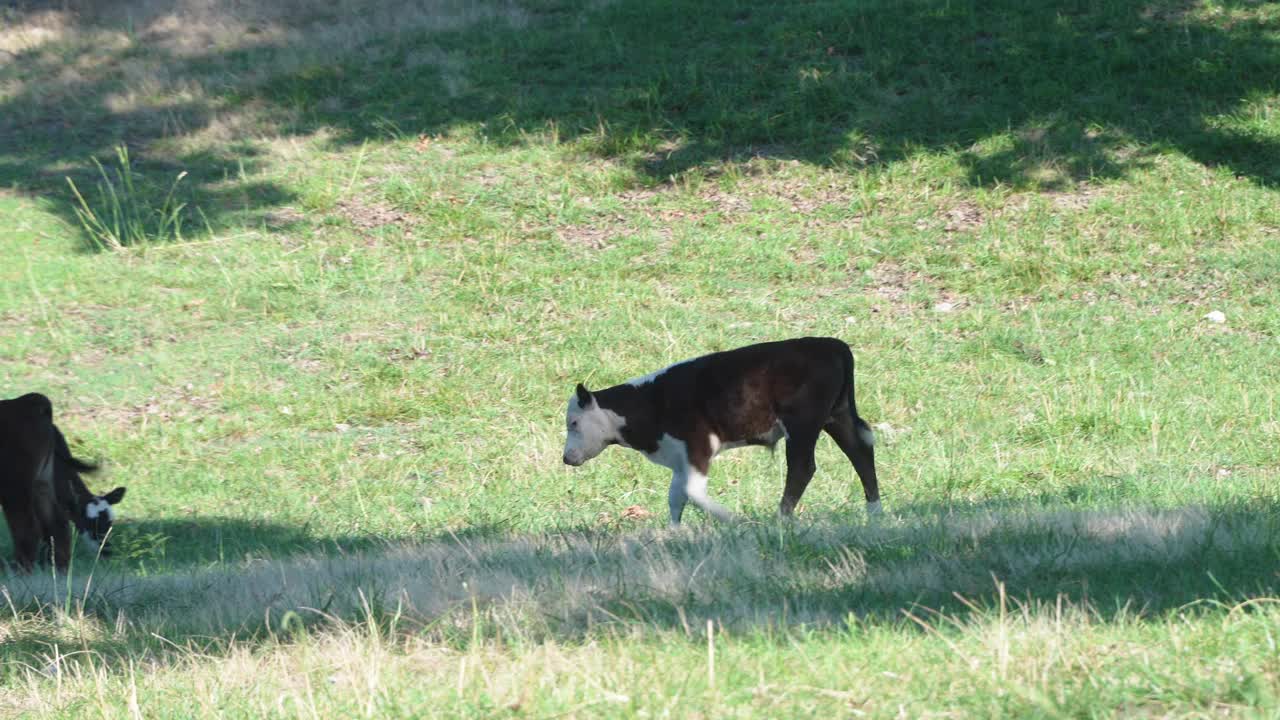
91	514
40	487
684	415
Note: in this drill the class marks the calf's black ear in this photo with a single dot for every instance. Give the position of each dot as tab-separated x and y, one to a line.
114	496
584	396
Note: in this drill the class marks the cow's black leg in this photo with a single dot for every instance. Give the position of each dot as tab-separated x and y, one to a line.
25	530
57	531
801	441
856	440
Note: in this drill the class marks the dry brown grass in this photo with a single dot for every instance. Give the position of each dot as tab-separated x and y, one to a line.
506	623
577	579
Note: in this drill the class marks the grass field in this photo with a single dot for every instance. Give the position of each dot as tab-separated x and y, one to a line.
315	281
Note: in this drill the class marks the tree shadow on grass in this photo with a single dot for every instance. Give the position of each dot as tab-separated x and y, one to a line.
1032	94
175	544
575	584
165	545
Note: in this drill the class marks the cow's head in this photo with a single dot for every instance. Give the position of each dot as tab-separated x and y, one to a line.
589	428
95	518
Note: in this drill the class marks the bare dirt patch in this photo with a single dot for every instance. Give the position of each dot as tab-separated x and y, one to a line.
769	182
728	205
962	217
600	234
894	287
641	215
893	283
283	217
806	195
1077	199
593	237
183	402
777	182
368	215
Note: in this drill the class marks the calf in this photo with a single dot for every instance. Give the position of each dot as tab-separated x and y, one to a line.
683	416
91	514
40	487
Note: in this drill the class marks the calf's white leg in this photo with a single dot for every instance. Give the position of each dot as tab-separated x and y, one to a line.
695	489
676	497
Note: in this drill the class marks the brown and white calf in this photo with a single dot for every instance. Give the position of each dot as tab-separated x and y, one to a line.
684	415
41	491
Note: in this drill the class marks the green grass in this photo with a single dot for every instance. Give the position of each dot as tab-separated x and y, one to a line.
407	231
119	215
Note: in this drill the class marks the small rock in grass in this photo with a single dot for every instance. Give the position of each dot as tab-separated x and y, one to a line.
1216	316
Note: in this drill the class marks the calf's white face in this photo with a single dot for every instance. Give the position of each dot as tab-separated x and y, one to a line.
97	519
589	428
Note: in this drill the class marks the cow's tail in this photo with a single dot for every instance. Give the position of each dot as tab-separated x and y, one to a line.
865	433
63	454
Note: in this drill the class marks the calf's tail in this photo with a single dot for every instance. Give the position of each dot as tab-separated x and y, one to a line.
865	433
63	453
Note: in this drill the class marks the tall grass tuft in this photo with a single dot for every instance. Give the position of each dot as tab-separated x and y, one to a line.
123	216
